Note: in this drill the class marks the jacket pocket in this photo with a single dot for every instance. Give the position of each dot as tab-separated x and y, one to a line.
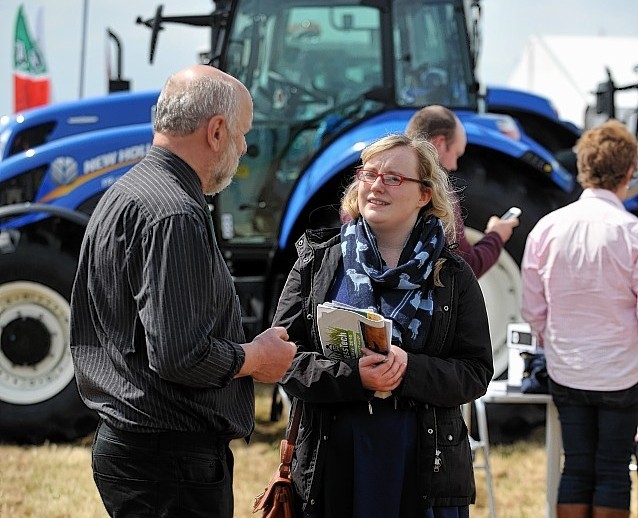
452	475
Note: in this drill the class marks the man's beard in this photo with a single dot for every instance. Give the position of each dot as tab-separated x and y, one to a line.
224	171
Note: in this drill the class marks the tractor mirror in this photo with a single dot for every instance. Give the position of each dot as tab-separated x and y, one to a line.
605	99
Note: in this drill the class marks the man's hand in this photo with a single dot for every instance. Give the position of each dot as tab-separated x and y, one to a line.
268	356
503	227
379	372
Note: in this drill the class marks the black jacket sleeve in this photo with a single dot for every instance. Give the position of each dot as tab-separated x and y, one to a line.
312	377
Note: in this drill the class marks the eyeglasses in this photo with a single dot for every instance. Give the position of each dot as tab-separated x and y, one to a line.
389	179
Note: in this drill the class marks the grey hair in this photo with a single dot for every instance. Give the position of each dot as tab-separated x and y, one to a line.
184	105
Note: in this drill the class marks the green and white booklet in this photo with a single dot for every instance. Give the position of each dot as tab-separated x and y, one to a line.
344	330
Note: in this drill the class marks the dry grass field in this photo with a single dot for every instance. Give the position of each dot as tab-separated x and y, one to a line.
54	481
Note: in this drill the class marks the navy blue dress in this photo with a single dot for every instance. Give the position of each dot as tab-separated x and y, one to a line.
371	459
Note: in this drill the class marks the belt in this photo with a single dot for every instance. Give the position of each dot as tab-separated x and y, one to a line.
165	440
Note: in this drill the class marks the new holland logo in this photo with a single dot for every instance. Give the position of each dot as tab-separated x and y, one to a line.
64	170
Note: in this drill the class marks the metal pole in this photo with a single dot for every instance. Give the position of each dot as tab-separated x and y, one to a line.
114	37
85	13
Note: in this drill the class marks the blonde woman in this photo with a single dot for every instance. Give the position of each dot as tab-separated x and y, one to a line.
358	455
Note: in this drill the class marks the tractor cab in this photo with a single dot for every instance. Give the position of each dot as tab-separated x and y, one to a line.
317	71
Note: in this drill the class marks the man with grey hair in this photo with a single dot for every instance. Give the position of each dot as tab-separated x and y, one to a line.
156	334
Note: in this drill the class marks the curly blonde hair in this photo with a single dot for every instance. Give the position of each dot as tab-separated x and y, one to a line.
605	154
441	204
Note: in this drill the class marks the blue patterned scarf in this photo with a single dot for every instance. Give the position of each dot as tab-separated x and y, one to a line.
404	293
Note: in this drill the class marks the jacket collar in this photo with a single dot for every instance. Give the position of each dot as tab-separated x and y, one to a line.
318	238
327	237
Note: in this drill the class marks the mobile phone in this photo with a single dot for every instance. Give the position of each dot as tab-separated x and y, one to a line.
512	212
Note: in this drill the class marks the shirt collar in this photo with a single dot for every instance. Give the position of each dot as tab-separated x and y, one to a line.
183	173
602	194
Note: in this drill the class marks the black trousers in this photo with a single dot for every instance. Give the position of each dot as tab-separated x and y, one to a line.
165	474
598	431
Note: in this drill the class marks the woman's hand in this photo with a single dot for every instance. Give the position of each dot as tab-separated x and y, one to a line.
401	355
382	373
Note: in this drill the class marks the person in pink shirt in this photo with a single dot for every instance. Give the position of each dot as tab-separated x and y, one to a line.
445	131
580	295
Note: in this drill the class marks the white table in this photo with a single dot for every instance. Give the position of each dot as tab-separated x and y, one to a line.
497	392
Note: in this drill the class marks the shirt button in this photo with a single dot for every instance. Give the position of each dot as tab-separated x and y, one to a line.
325	437
446	308
449	437
430	431
312	501
309	316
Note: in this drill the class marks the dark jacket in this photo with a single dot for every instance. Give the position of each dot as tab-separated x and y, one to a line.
455	367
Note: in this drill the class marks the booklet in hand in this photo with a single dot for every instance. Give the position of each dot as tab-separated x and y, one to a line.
344	330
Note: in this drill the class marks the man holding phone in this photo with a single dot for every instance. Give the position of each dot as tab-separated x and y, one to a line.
443	128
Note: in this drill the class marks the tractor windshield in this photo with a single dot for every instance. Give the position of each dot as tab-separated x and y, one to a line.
314	70
432	55
299	62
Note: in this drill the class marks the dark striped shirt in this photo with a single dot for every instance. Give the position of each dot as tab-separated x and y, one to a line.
155	320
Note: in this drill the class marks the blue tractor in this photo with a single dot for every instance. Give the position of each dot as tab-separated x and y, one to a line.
327	78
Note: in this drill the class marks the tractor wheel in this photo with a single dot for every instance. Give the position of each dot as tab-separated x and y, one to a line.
488	191
501	286
38	395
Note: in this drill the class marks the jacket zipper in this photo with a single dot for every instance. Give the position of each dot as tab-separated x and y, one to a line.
437	452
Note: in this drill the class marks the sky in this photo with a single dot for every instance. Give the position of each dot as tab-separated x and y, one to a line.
506	26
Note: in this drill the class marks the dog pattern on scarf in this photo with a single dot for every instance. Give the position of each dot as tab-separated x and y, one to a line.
402	294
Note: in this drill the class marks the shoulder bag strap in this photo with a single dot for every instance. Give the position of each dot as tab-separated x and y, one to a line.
287	446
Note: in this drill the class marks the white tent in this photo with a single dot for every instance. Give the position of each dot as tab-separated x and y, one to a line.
567	69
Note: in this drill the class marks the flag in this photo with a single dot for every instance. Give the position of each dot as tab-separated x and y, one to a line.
31	82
